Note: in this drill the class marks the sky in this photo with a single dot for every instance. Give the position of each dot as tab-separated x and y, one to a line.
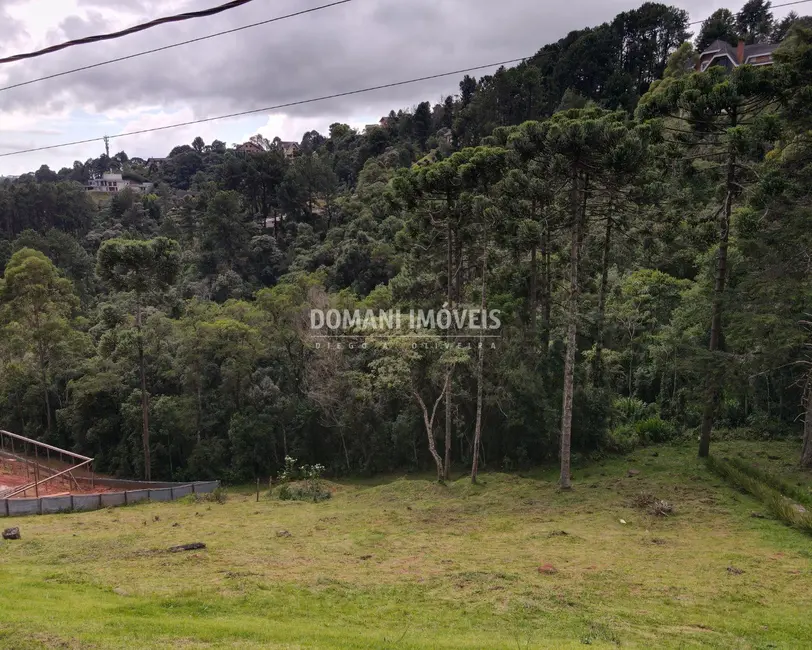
356	45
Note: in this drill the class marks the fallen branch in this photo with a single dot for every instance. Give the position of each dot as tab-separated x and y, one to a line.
187	547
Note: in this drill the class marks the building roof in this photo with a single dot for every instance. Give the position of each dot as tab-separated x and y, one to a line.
758	49
253	146
722	48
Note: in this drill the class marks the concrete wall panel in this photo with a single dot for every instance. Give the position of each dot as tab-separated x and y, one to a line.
55	504
134	496
86	502
23	507
164	494
112	499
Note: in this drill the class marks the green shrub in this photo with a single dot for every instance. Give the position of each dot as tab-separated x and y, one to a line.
628	410
655	430
311	486
769	428
303	492
622	439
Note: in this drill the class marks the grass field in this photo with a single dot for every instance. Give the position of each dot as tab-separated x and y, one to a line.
407	563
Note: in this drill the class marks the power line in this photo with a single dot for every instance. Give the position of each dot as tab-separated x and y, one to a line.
214	10
130	30
169	47
268	108
222	33
786	4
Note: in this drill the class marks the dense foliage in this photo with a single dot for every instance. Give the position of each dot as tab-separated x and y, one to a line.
641	228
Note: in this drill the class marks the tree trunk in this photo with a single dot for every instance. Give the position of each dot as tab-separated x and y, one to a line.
46	392
199	411
480	372
597	368
144	395
533	288
714	378
572	334
545	288
450	300
533	306
447	463
428	422
806	453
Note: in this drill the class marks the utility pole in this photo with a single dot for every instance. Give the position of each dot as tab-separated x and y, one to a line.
107	145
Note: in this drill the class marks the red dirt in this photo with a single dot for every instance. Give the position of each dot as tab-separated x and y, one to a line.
13	474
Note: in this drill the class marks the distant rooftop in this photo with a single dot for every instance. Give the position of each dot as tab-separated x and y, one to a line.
723	53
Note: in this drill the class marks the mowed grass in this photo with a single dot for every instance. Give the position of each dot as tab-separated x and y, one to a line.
407	563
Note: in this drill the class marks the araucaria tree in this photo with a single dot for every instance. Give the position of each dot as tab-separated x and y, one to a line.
584	151
140	267
719	122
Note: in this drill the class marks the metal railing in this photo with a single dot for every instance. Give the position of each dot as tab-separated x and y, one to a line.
10	444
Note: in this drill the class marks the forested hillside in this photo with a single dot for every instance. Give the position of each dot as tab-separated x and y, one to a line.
643	229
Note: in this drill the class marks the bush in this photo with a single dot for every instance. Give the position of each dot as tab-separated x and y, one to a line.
770	428
622	439
303	492
655	430
629	410
219	495
309	488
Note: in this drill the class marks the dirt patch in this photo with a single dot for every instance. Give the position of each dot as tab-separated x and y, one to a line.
17	478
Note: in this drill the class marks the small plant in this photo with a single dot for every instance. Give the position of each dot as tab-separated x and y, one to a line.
312	476
290	473
644	500
219	495
303	483
661	508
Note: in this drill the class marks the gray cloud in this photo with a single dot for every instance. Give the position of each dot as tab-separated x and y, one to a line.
364	43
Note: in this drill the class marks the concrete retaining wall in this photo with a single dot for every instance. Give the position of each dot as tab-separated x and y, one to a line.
84	502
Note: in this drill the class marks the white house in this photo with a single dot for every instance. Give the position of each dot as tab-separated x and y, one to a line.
112	182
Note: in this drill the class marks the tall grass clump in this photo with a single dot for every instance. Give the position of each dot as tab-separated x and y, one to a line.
779	506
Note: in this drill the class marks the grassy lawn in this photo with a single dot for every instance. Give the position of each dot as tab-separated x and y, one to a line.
407	563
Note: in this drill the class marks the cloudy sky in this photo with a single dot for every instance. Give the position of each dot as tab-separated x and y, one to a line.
360	44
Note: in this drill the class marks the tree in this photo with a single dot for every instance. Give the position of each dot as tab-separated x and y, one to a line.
721	25
421	123
140	267
467	90
37	304
401	367
755	21
581	150
720	114
198	144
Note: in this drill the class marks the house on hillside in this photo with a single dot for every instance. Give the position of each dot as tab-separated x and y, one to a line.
290	149
112	182
155	164
249	148
727	56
